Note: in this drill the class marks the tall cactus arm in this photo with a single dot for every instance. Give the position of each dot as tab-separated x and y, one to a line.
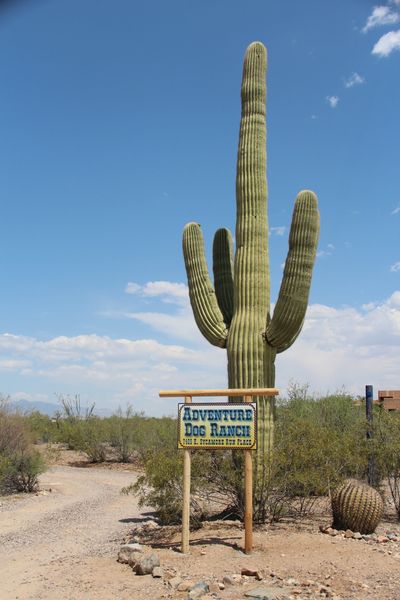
223	272
251	259
206	311
291	306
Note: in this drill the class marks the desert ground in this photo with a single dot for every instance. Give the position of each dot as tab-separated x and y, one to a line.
63	543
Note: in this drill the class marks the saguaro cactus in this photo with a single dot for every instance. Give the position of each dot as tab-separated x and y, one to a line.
235	312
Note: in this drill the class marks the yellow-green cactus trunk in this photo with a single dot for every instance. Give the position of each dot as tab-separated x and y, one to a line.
250	359
234	312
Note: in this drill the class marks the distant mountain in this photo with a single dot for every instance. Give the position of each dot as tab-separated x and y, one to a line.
50	409
46	408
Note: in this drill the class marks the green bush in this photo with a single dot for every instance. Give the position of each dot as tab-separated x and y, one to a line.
126	434
93	441
161	485
88	435
123	436
42	427
14	435
157	434
19	471
20	464
80	429
318	443
70	432
385	449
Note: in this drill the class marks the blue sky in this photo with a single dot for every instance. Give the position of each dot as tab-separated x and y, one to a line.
119	124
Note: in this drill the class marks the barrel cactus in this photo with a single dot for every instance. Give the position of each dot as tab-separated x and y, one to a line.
356	506
234	313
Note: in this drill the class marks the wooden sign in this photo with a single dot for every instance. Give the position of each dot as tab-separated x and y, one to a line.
217	425
218	430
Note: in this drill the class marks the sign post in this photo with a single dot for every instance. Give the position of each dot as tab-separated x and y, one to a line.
248	497
186	494
369	394
227	425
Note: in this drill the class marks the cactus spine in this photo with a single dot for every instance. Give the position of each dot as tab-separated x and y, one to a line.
234	313
356	506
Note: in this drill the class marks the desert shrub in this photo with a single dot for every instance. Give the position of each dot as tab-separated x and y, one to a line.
70	432
87	436
125	433
327	434
42	427
19	471
14	435
20	464
94	439
161	485
157	434
318	443
80	429
385	448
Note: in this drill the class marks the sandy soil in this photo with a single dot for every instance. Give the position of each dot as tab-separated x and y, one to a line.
63	544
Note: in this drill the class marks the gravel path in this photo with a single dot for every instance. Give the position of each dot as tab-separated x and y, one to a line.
63	544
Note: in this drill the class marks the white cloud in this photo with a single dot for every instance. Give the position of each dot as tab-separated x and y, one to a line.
397	209
84	349
354	79
333	101
181	325
323	253
395	267
387	43
346	346
133	288
327	252
381	15
169	292
12	365
109	371
280	230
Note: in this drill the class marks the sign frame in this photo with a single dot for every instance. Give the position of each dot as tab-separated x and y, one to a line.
247	394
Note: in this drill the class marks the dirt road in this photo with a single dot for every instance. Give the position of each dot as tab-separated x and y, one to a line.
63	544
